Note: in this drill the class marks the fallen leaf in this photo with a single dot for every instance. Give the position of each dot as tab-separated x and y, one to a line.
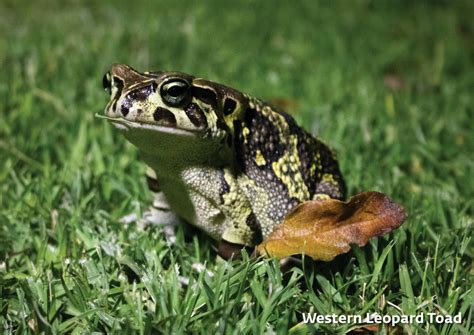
324	229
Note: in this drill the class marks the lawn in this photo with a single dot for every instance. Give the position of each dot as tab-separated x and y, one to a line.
388	85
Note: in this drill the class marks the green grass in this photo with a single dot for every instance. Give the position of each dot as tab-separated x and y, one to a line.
67	264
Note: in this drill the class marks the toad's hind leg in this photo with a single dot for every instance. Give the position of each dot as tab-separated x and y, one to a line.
159	212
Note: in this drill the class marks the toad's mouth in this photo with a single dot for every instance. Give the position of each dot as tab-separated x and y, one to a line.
127	125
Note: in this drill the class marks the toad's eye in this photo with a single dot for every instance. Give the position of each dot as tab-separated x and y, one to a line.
106	83
175	92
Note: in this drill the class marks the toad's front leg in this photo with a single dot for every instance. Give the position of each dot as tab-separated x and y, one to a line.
159	212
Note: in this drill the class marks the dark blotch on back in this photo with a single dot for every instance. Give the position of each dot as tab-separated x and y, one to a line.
164	116
229	106
196	115
206	95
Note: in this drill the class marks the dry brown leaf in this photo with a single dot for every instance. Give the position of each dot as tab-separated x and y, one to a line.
324	229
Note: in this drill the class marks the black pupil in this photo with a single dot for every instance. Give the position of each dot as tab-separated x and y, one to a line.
177	90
